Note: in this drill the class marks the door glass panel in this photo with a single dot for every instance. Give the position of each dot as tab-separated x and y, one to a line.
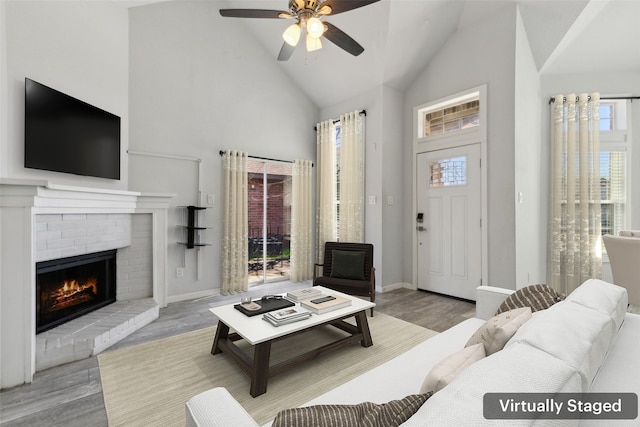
448	172
269	206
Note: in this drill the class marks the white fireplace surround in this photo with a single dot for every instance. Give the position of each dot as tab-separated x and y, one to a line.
23	205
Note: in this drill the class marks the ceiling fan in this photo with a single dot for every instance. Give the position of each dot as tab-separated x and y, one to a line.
308	14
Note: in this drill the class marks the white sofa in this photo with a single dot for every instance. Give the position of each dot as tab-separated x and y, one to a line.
586	343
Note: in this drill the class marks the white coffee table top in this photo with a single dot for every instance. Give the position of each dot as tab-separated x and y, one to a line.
256	330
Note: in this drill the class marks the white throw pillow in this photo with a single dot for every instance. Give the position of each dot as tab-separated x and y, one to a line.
496	331
449	368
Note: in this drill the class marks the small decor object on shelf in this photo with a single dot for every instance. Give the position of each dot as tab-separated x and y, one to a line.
303	294
287	315
247	304
324	304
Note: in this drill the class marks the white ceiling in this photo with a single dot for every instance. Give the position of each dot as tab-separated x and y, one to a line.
401	36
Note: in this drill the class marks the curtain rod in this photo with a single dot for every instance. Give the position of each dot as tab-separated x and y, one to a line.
605	98
362	113
265	158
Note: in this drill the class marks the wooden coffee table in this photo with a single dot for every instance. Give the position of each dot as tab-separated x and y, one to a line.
261	335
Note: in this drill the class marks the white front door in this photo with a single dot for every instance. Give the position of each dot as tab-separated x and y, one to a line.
448	222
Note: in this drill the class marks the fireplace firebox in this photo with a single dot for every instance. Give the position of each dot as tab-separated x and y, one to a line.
67	288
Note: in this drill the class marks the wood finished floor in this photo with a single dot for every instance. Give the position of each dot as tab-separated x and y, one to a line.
71	395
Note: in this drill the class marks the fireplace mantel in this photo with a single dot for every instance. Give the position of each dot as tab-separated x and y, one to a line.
20	201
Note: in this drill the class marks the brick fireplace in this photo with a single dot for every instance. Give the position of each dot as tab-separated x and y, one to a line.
41	222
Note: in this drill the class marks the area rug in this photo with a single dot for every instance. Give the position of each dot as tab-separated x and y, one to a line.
149	384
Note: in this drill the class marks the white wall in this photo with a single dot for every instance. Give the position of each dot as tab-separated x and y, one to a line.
199	84
529	185
393	143
4	101
79	48
3	130
473	56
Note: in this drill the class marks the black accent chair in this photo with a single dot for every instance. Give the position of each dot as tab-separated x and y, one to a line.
351	271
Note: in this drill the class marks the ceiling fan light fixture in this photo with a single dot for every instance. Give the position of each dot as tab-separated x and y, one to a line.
313	43
315	27
292	34
324	10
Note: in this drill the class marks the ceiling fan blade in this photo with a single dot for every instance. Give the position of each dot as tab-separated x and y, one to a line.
339	6
342	39
285	52
254	13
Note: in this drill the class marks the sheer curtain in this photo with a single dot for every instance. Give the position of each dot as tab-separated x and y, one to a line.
574	243
235	244
301	221
326	219
352	177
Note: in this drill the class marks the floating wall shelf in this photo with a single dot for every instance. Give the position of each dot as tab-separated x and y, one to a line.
192	227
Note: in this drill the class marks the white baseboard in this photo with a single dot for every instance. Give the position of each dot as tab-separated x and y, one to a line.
400	285
193	295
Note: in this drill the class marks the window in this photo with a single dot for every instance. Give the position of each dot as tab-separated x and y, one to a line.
453	118
269	222
613	116
612	191
456	114
614	144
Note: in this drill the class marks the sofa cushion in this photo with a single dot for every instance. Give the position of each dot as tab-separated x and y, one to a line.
496	331
366	414
516	369
538	297
347	264
604	297
575	334
451	366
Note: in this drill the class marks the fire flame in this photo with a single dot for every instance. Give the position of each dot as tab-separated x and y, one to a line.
71	287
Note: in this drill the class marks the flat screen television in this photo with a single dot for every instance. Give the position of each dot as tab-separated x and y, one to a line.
64	134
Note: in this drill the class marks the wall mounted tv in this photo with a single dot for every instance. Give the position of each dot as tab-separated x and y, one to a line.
64	134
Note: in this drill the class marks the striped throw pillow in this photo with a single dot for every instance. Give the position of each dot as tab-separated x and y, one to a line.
538	297
367	414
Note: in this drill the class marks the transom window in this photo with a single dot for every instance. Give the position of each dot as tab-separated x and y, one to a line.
451	119
613	115
453	115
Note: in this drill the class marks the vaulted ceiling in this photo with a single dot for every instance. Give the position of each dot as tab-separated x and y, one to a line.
401	36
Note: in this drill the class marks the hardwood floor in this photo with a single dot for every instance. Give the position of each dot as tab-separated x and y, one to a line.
71	395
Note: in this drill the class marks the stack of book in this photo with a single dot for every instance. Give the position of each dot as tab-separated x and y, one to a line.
325	303
286	315
303	294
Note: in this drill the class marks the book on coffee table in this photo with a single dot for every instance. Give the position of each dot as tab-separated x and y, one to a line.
325	303
287	315
303	294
